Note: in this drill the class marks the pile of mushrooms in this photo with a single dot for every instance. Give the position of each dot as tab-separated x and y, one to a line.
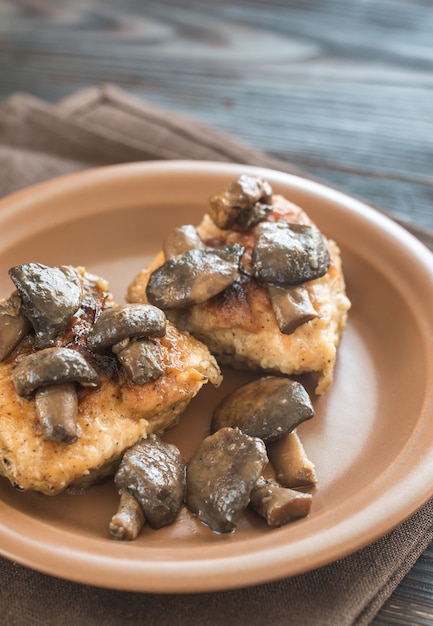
127	330
42	307
285	256
253	429
228	466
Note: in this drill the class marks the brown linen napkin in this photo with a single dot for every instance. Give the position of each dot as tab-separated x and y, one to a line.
103	126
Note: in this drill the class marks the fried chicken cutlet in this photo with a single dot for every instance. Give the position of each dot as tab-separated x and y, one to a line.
255	281
83	379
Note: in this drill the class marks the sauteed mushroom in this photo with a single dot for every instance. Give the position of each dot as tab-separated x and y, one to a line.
267	408
245	201
220	476
125	322
289	254
292	466
181	240
51	373
53	366
277	504
50	296
142	361
194	277
154	473
57	410
292	306
13	324
129	519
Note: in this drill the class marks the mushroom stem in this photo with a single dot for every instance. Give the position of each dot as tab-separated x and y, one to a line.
126	524
279	505
292	306
142	361
290	462
57	410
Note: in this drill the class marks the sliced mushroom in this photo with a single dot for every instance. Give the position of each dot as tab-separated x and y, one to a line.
53	366
125	322
142	361
57	410
154	473
194	277
220	476
50	297
267	408
13	324
289	254
129	519
292	466
292	306
181	240
245	201
279	505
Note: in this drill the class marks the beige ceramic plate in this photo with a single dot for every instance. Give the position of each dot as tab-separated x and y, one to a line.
371	439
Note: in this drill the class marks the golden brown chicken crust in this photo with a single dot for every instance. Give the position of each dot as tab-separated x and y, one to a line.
110	419
239	325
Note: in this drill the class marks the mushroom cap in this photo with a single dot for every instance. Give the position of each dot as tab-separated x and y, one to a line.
289	254
53	366
267	408
153	471
194	277
13	324
50	296
126	322
220	476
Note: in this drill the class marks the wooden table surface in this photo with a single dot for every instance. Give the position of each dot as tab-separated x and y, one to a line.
342	89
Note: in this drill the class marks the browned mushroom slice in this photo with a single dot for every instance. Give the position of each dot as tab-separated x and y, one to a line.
267	408
50	297
125	322
245	201
220	476
13	324
289	254
181	240
292	466
292	307
279	505
142	361
154	473
57	410
129	519
194	277
53	366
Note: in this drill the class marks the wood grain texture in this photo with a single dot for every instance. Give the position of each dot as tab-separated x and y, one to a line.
343	90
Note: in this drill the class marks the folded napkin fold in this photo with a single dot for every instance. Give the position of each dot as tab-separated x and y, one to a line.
103	126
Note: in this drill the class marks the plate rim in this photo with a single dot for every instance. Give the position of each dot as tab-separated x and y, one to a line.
249	565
